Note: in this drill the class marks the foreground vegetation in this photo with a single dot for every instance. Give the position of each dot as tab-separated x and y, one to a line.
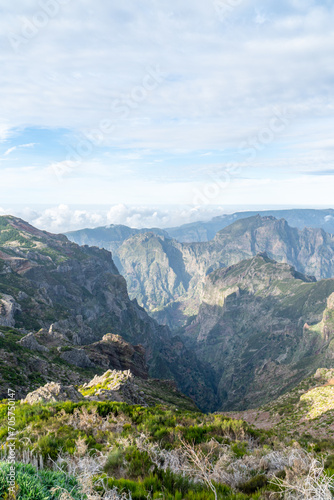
91	450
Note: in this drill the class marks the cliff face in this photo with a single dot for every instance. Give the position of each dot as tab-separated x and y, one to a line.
48	282
167	277
262	327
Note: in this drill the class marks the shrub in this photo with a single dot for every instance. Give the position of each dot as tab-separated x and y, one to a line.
37	485
139	462
114	461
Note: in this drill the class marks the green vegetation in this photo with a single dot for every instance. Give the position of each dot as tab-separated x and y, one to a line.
143	452
37	485
116	430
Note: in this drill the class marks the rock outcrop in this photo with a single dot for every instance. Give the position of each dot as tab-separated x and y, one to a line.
52	393
117	386
77	357
8	309
30	342
124	386
113	352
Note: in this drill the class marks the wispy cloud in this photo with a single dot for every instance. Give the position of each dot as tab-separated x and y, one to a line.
14	148
321	172
10	150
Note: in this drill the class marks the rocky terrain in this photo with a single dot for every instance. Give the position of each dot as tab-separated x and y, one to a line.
257	347
29	360
117	386
263	327
109	237
251	331
167	277
77	295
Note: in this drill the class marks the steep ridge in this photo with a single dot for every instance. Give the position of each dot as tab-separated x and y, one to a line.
167	277
109	237
50	283
263	327
298	217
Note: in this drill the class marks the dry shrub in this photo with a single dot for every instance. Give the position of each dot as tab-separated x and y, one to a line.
305	480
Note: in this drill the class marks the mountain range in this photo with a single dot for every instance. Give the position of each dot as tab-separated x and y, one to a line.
167	277
252	310
110	237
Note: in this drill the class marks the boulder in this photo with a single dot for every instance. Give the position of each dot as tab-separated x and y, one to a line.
52	393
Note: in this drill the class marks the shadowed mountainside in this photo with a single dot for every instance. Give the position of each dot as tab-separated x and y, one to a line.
263	327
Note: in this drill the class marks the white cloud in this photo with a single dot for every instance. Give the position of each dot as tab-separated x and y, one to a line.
220	80
10	150
220	83
64	218
14	148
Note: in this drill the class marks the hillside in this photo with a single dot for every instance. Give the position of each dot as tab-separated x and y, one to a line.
244	342
109	237
306	412
91	421
47	282
263	327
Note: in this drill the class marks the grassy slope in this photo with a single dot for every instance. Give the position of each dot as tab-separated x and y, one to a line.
115	430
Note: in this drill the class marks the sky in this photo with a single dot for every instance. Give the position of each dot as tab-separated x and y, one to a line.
164	112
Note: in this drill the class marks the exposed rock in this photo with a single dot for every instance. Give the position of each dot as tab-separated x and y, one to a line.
330	302
206	231
324	374
79	293
52	338
117	386
77	357
123	386
30	342
113	352
53	392
8	308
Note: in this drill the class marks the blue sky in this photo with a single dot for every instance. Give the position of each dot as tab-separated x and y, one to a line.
187	103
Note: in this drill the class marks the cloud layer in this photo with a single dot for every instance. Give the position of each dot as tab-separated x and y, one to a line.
134	94
64	218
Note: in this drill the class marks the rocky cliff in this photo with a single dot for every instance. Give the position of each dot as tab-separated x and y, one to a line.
263	327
